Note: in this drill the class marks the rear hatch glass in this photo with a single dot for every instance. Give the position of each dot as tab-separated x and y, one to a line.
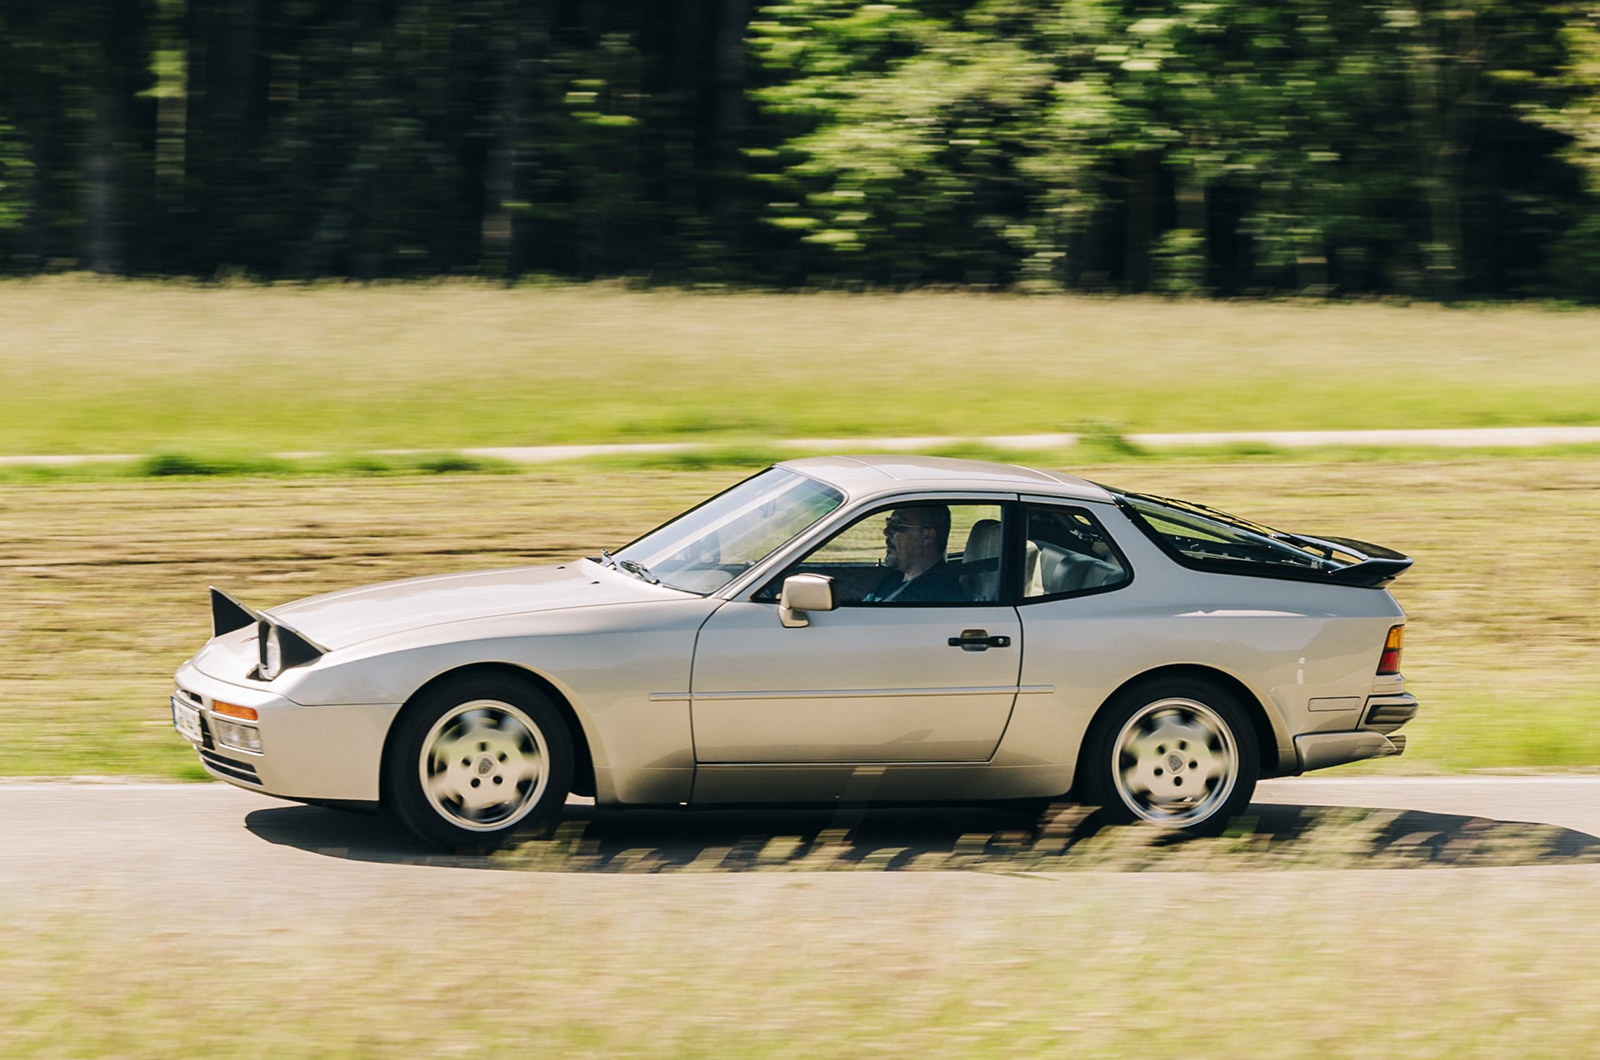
1202	537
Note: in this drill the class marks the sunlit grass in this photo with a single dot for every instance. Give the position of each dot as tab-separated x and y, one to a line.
918	965
92	366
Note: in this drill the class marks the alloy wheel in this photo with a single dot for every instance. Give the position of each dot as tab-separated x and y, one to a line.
1175	762
484	765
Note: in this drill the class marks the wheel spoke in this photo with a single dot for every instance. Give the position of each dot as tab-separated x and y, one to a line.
442	786
530	768
1135	782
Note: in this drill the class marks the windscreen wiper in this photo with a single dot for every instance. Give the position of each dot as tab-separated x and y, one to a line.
634	567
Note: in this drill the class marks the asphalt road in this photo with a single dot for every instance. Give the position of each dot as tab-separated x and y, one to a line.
148	849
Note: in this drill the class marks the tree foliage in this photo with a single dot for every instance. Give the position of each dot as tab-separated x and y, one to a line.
1435	148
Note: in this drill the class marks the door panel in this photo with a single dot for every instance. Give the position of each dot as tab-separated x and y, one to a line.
860	684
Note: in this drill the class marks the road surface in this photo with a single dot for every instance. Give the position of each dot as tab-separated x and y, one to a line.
146	847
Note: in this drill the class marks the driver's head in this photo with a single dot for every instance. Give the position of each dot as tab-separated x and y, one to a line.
915	538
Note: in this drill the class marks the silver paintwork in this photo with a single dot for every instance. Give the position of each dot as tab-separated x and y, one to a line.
686	698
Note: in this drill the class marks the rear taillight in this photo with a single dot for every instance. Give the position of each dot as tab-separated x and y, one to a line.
1389	662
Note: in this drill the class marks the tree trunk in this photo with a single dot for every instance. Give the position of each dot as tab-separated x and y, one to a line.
102	250
728	108
508	175
226	109
1141	224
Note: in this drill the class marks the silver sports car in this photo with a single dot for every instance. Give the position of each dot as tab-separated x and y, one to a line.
866	628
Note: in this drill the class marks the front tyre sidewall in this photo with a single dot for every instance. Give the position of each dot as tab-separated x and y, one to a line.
521	733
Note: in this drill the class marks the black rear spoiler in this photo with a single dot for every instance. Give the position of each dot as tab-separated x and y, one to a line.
228	615
1374	566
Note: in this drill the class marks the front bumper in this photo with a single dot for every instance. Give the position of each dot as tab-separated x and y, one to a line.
322	753
1381	716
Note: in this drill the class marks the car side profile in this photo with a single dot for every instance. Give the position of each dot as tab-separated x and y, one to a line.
831	629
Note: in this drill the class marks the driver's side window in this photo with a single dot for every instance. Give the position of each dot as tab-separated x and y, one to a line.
917	553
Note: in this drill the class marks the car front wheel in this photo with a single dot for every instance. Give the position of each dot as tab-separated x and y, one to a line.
477	760
1179	755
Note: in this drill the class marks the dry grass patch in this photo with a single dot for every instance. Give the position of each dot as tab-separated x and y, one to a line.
927	965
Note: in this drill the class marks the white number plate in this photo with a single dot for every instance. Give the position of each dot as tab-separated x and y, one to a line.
186	719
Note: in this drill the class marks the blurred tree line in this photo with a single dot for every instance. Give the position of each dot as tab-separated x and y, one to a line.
1435	148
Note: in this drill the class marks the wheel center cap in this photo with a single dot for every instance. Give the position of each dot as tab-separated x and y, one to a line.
1174	764
485	764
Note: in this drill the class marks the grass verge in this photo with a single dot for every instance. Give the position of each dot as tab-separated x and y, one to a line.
1106	450
96	366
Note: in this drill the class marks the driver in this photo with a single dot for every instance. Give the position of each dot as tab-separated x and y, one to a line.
915	541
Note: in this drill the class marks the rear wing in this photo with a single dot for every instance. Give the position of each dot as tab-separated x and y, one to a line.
1371	566
1201	537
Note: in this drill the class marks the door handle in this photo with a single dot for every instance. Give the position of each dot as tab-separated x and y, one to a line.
979	640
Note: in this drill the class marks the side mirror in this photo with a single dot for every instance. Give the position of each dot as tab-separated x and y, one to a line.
802	593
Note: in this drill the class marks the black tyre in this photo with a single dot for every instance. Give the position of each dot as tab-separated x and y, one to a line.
476	761
1178	754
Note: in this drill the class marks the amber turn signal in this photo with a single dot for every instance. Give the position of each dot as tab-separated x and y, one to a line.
228	710
1389	662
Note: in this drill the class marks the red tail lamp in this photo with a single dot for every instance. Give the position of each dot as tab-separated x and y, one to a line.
1389	662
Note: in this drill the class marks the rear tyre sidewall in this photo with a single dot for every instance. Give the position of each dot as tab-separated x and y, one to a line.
404	790
1100	760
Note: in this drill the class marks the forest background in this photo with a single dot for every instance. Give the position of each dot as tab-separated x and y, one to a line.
1418	148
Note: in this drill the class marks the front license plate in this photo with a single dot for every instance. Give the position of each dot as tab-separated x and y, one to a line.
186	720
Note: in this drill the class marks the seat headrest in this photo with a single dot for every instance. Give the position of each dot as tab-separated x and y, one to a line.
984	540
980	561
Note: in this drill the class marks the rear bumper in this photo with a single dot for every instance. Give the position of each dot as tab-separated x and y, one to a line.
1375	739
1323	749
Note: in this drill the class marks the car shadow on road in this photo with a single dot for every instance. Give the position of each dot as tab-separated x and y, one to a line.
1005	838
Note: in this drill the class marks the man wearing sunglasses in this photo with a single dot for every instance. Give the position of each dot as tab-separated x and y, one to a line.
915	543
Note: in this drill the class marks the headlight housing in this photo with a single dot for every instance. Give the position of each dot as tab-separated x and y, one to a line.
281	649
271	652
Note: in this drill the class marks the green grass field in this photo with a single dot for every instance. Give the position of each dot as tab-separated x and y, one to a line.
105	582
89	366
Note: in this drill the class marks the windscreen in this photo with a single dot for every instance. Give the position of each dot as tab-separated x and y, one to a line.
706	547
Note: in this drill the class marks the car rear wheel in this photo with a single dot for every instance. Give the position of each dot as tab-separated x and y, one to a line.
478	760
1176	754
